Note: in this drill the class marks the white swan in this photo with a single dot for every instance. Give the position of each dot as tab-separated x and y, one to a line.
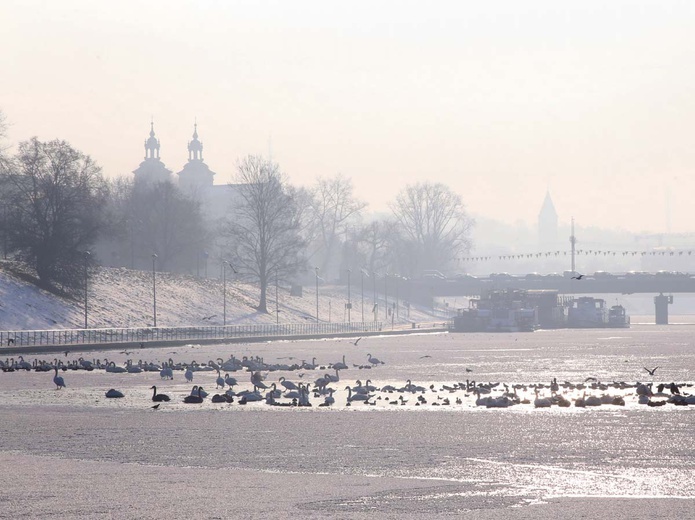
58	380
357	397
289	385
542	402
132	369
329	400
335	378
373	360
340	365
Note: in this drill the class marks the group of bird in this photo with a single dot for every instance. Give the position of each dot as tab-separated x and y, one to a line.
298	394
288	393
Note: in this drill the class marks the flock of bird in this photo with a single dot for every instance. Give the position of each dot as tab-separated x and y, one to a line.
284	392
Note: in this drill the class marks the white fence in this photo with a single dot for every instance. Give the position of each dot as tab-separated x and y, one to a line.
30	338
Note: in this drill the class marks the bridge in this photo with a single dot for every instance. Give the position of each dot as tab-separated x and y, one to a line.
423	290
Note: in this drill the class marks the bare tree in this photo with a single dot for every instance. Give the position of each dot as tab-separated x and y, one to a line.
264	226
161	219
375	242
3	135
333	208
434	225
54	196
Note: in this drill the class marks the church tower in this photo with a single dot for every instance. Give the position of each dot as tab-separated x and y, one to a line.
547	223
196	177
152	169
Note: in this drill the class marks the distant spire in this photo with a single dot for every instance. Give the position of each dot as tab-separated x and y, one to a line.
195	147
152	144
548	208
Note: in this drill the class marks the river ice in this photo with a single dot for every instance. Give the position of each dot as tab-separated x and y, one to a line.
72	453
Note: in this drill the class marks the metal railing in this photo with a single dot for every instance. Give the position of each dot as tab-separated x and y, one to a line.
29	338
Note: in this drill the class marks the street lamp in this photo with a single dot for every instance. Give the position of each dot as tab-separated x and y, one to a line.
86	261
386	298
205	256
224	291
277	304
362	273
225	263
397	278
316	270
376	301
154	289
4	231
349	305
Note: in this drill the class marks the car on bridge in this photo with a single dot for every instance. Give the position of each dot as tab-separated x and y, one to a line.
534	276
603	275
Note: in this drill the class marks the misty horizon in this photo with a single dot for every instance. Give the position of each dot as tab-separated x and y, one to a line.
501	103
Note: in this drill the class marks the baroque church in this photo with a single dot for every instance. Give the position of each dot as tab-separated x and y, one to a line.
195	179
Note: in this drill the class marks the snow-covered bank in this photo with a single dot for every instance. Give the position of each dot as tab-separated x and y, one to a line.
120	297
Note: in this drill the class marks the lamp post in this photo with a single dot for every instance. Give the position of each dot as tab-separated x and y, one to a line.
386	298
362	284
4	231
277	304
86	261
349	305
224	290
154	288
397	309
376	302
316	270
205	256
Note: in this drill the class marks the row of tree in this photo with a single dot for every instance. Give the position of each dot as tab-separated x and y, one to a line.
57	205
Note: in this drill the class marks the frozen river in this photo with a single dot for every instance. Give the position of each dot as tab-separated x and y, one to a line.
73	453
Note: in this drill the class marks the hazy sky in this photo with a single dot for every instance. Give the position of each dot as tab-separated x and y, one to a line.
500	100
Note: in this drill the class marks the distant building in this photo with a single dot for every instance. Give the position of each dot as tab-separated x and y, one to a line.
195	179
152	169
547	224
196	176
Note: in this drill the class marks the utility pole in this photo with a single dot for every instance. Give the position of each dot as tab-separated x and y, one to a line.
349	304
86	279
376	301
316	270
154	289
573	241
386	298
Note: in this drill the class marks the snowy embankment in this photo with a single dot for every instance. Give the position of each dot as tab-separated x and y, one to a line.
120	297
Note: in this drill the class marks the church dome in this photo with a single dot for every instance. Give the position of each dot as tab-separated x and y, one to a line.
195	147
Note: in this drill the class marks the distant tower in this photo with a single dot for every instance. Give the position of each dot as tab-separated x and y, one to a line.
152	169
195	176
547	223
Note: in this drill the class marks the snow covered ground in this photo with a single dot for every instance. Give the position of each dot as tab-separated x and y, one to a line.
120	297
